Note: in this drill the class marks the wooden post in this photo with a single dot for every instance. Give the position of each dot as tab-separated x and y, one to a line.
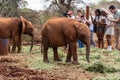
87	12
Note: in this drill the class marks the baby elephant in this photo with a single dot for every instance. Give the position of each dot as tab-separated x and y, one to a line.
13	28
57	32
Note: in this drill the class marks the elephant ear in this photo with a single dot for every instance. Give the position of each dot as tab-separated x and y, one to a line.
70	32
23	20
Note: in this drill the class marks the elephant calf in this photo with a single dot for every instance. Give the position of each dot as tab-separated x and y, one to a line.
13	28
57	32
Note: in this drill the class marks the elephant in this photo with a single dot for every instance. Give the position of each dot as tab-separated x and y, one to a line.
61	31
13	28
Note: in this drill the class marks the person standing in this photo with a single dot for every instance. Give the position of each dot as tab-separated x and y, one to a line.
65	14
116	21
91	27
80	18
70	15
109	28
100	24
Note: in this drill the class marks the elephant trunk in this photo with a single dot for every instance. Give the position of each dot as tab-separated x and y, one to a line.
88	51
32	40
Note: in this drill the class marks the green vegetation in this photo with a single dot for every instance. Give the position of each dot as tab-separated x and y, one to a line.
101	68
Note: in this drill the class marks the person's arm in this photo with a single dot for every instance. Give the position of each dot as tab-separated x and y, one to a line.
93	20
115	20
88	22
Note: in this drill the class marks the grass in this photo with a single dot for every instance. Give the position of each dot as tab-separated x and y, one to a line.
37	63
101	61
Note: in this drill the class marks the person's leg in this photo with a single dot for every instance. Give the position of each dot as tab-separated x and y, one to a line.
119	39
116	38
101	43
108	40
98	37
80	44
91	38
108	37
103	30
102	36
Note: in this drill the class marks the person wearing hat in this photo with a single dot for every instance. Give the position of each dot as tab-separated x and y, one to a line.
80	18
70	14
116	21
109	28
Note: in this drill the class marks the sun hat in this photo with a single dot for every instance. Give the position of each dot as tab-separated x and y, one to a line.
105	10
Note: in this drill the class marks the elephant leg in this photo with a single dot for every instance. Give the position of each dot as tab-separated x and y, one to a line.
15	43
73	51
69	55
19	46
56	57
14	47
45	55
9	48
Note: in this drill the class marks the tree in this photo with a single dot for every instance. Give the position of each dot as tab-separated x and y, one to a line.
10	8
65	5
30	15
105	4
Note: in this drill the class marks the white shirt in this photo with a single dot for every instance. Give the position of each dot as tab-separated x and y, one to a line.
107	21
91	25
99	18
73	17
81	19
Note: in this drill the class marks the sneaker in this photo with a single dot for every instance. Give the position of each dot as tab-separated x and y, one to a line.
109	48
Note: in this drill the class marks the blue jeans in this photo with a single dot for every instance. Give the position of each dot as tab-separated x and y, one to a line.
5	42
80	44
92	42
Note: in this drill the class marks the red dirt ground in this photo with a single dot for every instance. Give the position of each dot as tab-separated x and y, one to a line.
13	68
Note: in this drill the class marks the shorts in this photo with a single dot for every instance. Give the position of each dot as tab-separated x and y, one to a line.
101	29
109	30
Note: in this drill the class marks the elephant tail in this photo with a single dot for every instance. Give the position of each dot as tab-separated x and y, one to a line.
41	45
20	28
